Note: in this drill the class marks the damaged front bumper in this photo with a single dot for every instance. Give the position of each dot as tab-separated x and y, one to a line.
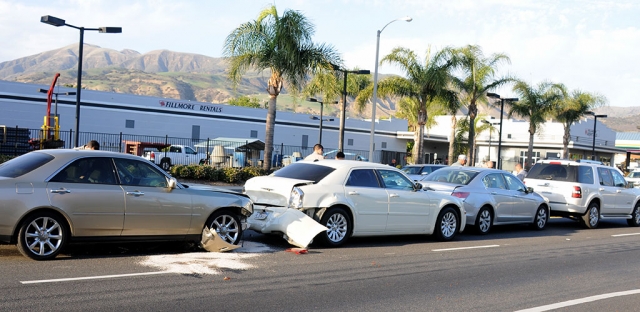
295	226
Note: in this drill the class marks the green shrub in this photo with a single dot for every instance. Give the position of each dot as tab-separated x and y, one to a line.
4	158
208	173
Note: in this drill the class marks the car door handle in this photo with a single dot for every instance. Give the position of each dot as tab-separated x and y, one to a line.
601	189
61	191
394	195
354	193
618	191
494	193
135	193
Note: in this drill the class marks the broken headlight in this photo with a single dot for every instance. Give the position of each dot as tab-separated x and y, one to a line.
296	197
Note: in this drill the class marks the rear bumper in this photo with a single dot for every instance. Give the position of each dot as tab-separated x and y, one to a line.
564	209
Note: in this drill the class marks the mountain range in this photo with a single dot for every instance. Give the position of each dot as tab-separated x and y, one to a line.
195	77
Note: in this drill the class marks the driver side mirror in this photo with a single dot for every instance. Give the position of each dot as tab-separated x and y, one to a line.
417	186
529	189
172	183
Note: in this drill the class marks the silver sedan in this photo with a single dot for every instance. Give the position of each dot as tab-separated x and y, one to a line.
491	197
51	197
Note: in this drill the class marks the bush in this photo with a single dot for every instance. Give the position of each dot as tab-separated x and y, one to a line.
208	173
4	158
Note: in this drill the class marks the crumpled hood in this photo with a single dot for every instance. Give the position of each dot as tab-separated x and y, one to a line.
209	188
272	191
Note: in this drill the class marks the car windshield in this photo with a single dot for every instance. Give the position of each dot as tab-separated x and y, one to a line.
635	174
455	176
411	170
23	164
304	171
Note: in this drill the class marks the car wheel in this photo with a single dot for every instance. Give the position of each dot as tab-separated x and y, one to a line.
484	221
42	236
227	225
591	218
447	224
338	226
541	218
635	216
165	164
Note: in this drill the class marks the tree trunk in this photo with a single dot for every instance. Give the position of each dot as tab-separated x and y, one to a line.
452	137
418	146
565	141
269	131
528	164
473	112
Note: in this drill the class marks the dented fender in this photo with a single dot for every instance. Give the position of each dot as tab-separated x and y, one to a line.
298	228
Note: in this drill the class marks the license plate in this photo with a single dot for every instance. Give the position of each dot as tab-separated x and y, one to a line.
261	215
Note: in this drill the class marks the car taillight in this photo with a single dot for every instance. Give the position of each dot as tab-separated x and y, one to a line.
153	156
577	192
462	195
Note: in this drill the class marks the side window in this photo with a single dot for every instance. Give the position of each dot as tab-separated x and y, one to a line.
395	180
363	178
137	173
494	180
618	179
189	150
94	170
514	183
585	175
175	149
425	170
605	177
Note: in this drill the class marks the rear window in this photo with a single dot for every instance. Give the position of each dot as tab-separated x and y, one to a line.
23	164
561	172
454	175
304	171
412	170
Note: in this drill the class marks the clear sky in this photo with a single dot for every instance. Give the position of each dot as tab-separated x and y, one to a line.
591	45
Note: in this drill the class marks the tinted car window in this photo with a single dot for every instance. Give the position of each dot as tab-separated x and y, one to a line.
585	175
557	172
304	171
635	174
95	170
23	164
363	177
139	173
456	176
412	170
605	177
618	179
495	181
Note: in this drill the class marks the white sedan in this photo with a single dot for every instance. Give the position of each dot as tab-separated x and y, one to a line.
353	198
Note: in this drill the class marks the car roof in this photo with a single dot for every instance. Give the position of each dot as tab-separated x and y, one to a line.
84	153
336	163
570	162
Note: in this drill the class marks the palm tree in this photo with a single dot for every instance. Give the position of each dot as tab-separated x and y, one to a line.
283	45
424	83
535	104
571	108
464	128
479	77
329	84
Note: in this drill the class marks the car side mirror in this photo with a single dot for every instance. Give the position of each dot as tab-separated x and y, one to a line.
172	183
417	186
529	189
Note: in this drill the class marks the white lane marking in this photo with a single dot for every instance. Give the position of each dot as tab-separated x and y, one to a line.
463	248
580	301
90	278
620	235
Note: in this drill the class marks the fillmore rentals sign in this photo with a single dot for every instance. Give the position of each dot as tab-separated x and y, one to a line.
190	106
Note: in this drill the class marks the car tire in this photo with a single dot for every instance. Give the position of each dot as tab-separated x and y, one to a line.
227	225
338	225
165	164
635	216
447	224
591	217
484	221
42	236
541	218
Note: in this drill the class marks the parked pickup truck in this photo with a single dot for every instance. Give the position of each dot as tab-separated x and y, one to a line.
174	155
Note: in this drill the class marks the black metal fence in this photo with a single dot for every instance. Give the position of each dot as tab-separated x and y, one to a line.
237	153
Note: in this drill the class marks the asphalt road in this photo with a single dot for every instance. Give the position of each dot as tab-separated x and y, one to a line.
510	269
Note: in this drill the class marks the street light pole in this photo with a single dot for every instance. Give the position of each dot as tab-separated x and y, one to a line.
502	100
343	115
51	20
375	87
321	117
595	121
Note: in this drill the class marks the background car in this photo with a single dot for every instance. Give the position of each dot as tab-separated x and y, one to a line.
49	198
418	172
585	190
491	197
634	178
354	198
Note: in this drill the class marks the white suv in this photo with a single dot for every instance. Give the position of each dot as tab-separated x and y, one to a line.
585	190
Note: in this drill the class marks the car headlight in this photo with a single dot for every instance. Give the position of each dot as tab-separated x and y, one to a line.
247	209
296	197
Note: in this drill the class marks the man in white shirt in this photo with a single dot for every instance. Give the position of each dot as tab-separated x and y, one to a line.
462	159
317	153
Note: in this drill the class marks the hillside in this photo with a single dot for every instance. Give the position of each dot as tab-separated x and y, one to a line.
196	77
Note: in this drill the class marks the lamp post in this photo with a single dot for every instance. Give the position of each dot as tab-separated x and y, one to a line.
595	121
344	102
375	87
502	100
48	19
321	119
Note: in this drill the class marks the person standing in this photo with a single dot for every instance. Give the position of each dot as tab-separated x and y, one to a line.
340	156
520	172
393	163
489	164
462	159
92	145
317	153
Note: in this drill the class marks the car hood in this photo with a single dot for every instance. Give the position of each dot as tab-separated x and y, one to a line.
272	191
208	188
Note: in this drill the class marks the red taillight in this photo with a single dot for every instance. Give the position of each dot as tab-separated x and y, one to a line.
462	195
577	192
152	157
